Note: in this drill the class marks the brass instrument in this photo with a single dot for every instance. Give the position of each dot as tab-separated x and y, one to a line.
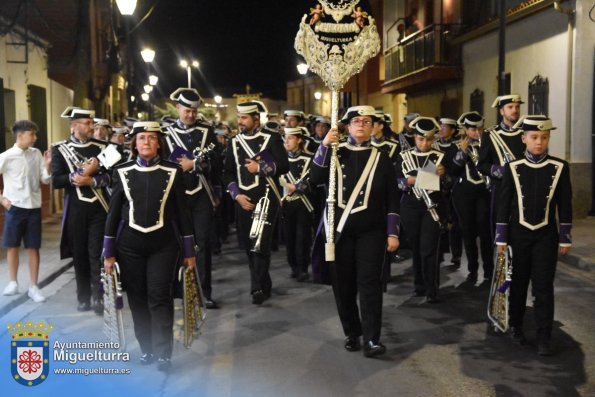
500	290
193	305
420	194
113	303
474	156
201	154
259	221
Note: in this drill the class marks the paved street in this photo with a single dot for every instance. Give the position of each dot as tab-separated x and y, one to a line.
293	345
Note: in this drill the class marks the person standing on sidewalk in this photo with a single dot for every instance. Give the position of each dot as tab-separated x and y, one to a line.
23	168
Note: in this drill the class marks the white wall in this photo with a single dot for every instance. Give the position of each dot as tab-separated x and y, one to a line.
17	76
535	45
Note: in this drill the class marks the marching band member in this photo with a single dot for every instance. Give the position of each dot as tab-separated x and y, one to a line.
186	135
406	137
500	145
367	214
147	219
471	198
535	190
422	211
254	161
451	240
297	205
102	129
75	169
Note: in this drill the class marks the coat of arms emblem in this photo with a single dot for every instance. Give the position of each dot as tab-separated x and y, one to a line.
29	352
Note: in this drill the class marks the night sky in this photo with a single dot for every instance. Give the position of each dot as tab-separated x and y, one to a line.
236	42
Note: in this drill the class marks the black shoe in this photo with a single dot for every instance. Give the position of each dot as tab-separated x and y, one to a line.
544	348
83	307
372	349
303	277
163	364
432	299
147	359
352	344
258	297
517	335
211	304
293	274
418	293
98	307
456	262
471	278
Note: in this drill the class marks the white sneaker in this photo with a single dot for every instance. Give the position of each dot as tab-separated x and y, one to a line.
11	289
35	294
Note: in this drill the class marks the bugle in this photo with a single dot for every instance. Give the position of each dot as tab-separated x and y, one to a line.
500	291
193	305
113	303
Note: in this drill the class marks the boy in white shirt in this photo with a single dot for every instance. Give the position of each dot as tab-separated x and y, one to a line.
23	168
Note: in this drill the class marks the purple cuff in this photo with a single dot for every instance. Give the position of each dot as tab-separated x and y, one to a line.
101	180
188	243
565	236
497	171
301	187
109	247
501	233
233	189
392	224
320	158
71	175
460	158
403	185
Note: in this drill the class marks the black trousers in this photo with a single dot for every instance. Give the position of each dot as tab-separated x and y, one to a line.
297	224
85	225
473	210
148	263
423	234
535	254
451	239
358	269
201	209
259	262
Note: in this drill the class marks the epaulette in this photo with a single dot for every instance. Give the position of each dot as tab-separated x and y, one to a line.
62	142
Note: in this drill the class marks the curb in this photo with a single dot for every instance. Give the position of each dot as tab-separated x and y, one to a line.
24	297
577	261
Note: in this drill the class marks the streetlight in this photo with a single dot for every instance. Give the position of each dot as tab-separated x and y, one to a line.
189	66
218	99
144	96
126	7
318	95
303	70
153	79
148	56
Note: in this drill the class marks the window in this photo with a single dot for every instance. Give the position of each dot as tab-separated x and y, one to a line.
539	89
476	101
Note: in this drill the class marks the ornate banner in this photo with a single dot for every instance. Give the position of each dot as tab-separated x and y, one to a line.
336	40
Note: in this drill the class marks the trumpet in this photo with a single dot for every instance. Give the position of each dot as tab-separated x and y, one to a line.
259	221
420	194
474	156
500	291
113	303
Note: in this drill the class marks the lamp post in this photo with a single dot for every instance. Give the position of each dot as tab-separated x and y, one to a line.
303	70
148	56
189	66
126	7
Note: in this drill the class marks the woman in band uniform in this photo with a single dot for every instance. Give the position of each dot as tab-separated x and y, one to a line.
367	226
147	215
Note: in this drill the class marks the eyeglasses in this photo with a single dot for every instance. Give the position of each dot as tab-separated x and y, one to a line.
365	122
151	138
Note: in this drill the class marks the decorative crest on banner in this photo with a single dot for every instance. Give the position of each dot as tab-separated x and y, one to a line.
337	50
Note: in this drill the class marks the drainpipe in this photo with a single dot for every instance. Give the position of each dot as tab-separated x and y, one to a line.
570	30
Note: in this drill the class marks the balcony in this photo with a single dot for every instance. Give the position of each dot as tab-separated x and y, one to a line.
422	59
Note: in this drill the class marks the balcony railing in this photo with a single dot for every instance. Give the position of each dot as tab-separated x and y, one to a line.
425	48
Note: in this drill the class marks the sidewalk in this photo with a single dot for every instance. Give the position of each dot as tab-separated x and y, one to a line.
50	267
582	256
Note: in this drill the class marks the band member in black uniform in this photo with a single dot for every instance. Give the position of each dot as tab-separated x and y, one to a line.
321	127
535	190
367	226
147	222
452	240
118	138
75	169
407	137
500	145
102	129
423	210
471	198
185	136
382	140
254	161
297	204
